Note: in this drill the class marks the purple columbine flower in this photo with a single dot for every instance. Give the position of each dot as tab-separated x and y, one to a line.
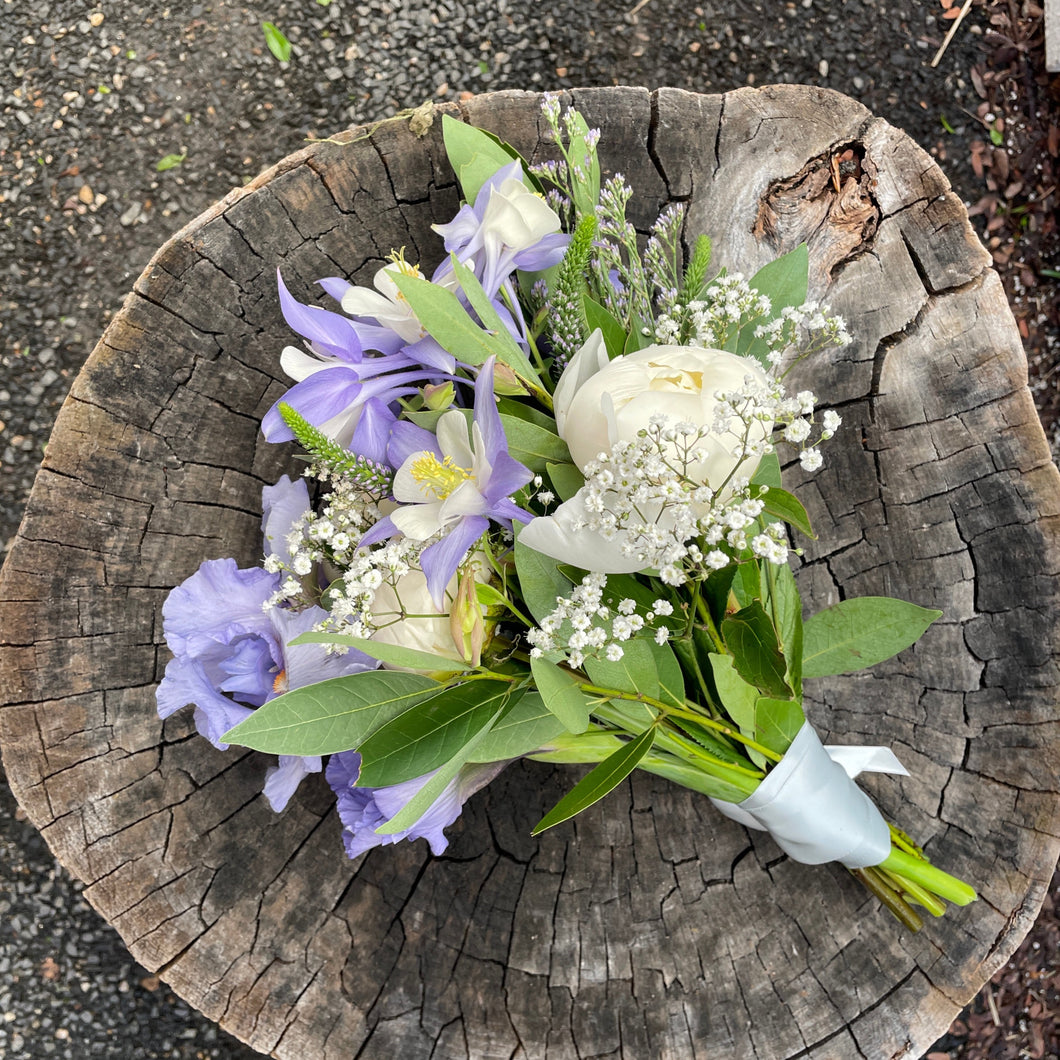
509	227
341	389
363	810
454	482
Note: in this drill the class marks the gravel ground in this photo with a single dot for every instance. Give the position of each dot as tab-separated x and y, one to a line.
92	98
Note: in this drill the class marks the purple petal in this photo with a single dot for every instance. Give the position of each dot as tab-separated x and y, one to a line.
383	529
282	506
305	664
318	398
440	560
486	415
334	332
430	354
186	682
372	432
408	438
252	671
507	476
216	604
335	286
282	780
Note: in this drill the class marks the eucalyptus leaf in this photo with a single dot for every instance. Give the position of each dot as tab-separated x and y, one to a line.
858	633
527	726
533	446
750	636
597	317
785	280
598	781
429	734
561	694
777	722
474	155
331	716
520	410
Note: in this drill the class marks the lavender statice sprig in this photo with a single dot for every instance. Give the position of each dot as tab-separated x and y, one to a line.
618	259
338	462
662	256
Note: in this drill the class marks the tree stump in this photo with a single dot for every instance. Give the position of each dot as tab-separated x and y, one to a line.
650	926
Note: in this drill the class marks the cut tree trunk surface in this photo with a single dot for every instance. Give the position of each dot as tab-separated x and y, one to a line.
650	926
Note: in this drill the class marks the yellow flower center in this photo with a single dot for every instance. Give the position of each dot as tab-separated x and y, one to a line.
440	477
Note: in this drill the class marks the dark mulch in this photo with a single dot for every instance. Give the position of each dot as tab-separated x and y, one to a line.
1016	1016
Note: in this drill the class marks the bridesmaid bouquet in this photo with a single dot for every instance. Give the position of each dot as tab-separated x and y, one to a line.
542	516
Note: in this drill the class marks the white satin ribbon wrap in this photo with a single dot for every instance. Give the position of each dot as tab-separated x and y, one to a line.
812	808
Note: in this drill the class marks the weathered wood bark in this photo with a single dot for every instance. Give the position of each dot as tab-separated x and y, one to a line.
650	926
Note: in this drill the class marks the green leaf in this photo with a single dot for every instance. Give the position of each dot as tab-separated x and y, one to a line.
715	590
787	507
566	479
597	317
787	611
750	636
479	301
561	694
526	727
278	44
997	138
768	472
520	410
428	735
474	155
737	696
169	162
855	634
670	675
331	716
390	654
584	168
534	446
598	781
635	672
636	339
785	281
540	580
777	721
747	583
440	312
422	801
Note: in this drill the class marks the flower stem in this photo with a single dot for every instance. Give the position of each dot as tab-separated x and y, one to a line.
922	872
898	906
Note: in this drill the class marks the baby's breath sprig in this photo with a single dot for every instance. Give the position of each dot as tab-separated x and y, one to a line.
371	477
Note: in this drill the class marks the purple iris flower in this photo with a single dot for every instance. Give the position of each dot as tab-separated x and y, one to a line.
454	482
230	655
363	810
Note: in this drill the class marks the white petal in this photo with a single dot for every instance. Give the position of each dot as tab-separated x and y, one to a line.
453	439
418	521
300	365
553	535
406	488
580	368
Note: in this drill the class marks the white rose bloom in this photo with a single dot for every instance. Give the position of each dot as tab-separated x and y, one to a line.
425	628
618	399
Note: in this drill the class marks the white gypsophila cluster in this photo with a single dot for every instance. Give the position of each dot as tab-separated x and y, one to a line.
351	597
728	304
582	625
800	331
327	537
